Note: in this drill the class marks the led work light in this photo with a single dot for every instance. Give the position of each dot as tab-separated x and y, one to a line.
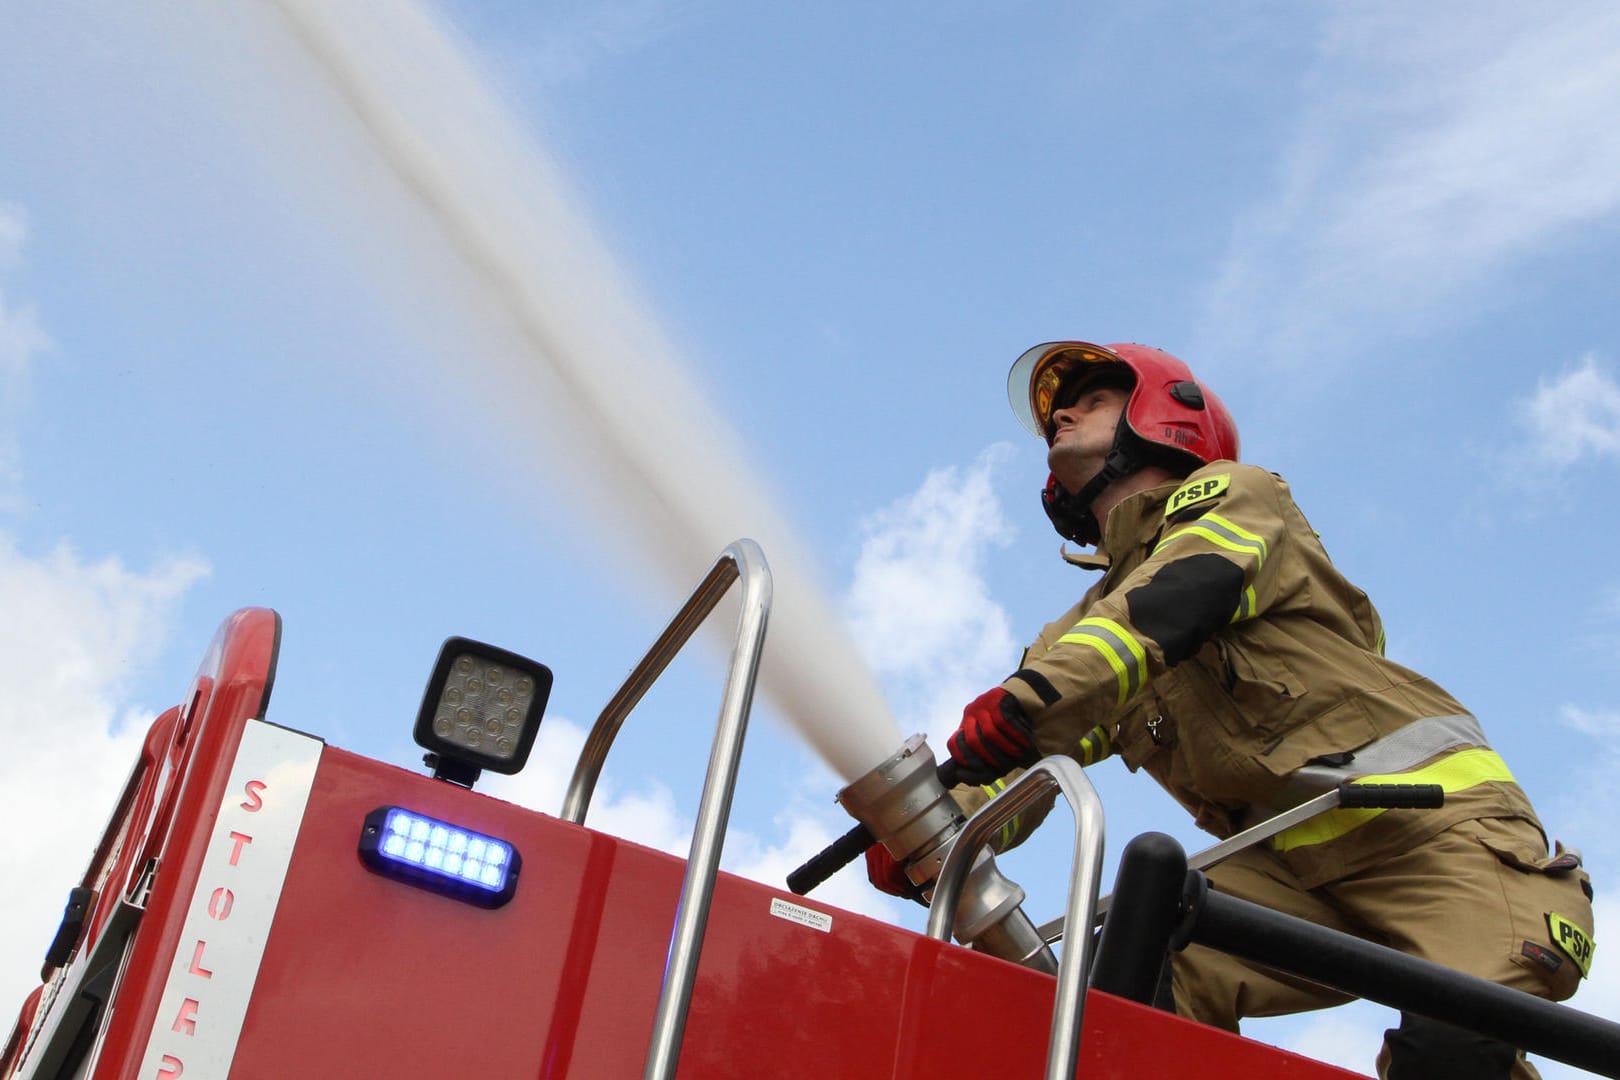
440	856
481	711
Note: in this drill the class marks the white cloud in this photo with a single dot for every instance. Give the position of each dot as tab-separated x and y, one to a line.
72	633
1437	143
647	816
918	604
1602	723
1575	415
799	833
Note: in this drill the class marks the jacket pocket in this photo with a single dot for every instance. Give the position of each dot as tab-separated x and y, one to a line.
1344	728
1264	690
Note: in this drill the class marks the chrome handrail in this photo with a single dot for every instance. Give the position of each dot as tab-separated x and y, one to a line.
742	559
1065	775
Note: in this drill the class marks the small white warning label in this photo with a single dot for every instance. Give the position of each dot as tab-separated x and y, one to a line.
815	920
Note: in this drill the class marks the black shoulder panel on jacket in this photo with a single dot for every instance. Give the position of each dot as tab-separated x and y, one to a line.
1186	603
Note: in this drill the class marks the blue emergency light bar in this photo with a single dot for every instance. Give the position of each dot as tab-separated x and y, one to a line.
439	855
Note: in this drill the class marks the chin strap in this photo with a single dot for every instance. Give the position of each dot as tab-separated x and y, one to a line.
1071	514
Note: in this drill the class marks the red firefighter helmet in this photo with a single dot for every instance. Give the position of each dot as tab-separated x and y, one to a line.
1170	418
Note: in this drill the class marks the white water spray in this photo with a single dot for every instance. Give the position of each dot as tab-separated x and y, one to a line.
586	372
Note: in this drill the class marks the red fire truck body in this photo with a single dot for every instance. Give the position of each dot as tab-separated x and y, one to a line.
231	929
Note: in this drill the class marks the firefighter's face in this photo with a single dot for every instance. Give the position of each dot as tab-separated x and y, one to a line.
1083	433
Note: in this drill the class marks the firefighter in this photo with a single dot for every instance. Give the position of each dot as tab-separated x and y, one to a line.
1223	653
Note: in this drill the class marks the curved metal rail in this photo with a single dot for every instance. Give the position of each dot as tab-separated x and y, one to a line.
1065	775
742	559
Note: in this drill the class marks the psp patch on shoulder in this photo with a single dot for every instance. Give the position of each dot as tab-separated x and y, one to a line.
1197	491
1572	940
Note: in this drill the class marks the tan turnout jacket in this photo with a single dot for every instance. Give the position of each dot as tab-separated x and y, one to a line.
1221	652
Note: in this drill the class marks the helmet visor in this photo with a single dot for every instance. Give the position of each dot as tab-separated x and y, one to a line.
1039	376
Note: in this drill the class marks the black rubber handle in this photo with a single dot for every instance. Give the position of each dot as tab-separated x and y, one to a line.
844	850
1391	796
831	859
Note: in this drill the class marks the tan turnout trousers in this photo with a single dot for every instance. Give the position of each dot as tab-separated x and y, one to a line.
1475	898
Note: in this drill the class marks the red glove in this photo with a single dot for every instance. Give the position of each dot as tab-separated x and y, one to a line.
995	737
886	875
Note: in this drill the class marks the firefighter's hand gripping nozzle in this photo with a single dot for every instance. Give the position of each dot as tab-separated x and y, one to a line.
903	804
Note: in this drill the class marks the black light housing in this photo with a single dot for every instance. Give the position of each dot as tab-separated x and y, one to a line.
482	710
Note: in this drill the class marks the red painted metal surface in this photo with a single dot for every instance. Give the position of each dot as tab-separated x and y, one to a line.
366	976
382	978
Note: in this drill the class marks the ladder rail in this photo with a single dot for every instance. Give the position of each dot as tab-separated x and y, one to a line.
1067	777
741	561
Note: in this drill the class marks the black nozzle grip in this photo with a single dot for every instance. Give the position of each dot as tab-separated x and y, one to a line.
1391	796
831	859
844	850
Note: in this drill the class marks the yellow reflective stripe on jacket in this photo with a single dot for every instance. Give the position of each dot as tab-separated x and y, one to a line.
1457	772
1222	533
1116	644
1095	745
1247	607
1009	828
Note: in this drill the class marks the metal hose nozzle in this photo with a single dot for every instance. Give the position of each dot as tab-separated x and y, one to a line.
904	805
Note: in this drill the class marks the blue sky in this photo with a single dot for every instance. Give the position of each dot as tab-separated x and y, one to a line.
412	320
